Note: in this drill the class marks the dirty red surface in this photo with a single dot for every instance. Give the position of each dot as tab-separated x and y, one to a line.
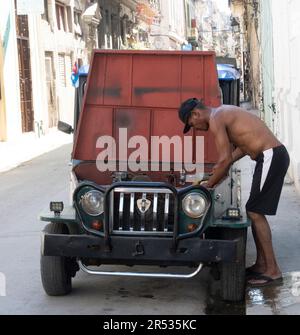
142	91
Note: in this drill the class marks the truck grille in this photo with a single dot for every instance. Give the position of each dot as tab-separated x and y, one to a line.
142	210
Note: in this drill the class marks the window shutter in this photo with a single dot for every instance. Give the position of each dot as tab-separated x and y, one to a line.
62	70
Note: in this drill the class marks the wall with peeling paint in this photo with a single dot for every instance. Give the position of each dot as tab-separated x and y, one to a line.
286	38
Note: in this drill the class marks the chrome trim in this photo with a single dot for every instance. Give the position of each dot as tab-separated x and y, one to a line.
131	211
111	212
144	233
144	198
142	190
166	212
138	226
139	274
121	209
155	199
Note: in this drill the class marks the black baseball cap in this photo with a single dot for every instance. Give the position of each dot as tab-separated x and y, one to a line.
185	111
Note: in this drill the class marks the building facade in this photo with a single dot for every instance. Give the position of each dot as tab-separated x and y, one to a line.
214	29
271	51
248	36
169	32
66	33
38	51
36	59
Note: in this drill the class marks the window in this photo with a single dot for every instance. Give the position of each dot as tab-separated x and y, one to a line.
45	16
69	18
108	29
65	62
77	17
101	30
60	17
155	4
63	17
77	23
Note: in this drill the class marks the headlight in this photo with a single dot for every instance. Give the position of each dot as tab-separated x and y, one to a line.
93	203
194	205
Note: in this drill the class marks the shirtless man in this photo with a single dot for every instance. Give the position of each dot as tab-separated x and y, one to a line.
233	126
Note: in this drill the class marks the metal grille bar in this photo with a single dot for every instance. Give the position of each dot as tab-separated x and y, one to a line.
166	212
131	211
121	209
142	210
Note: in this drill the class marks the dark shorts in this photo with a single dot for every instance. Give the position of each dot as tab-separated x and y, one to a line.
268	178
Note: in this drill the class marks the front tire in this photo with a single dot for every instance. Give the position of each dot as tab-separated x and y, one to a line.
233	277
57	271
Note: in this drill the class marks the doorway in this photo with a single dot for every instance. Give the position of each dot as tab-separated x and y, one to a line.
27	112
51	91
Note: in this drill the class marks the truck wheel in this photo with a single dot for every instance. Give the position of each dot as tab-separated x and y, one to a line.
233	274
57	271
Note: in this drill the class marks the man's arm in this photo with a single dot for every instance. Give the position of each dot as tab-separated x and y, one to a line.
224	149
237	155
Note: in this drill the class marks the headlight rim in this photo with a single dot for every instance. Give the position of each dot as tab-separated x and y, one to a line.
206	207
80	202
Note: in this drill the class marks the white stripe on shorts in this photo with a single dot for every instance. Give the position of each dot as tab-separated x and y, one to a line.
268	156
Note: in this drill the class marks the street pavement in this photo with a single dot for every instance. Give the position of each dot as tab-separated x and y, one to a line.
27	190
29	146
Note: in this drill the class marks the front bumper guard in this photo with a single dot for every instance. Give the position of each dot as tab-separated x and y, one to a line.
140	250
140	274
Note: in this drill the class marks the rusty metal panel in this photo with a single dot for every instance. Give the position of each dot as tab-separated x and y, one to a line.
117	88
192	77
142	90
137	123
98	121
156	81
95	87
162	126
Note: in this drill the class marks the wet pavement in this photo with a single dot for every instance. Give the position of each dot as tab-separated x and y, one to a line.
279	299
276	299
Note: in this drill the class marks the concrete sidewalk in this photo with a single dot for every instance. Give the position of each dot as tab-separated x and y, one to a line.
29	146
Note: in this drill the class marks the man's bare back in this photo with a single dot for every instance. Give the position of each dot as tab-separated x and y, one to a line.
230	126
245	130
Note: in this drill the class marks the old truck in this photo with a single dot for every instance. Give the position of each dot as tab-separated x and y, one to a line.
150	217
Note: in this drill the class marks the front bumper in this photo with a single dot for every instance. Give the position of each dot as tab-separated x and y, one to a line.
140	250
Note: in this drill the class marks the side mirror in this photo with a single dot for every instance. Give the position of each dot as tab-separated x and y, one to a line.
64	127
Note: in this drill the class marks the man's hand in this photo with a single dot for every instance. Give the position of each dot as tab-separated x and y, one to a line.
203	183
